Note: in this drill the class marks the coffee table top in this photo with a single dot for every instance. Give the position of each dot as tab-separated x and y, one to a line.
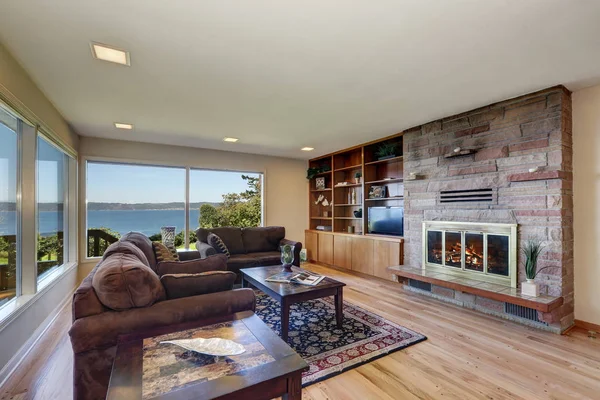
146	369
277	289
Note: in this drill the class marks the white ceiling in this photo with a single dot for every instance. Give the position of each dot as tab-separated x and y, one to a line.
281	75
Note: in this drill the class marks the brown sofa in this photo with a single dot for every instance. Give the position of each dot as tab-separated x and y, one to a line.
249	247
129	292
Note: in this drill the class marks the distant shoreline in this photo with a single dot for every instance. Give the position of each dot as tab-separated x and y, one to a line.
92	206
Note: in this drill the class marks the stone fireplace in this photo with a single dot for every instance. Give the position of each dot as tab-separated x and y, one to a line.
481	251
505	166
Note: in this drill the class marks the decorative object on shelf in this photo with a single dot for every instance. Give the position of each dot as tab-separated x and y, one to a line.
339	184
536	169
323	200
287	257
213	347
324	228
460	151
312	172
326	214
167	234
303	255
353	197
531	250
377	192
386	150
413	176
357	177
320	183
358	213
350	228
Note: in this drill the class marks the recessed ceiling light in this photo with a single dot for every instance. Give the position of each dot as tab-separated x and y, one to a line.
110	54
230	139
307	148
123	126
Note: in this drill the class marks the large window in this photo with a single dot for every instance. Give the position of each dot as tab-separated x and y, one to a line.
126	197
9	218
52	217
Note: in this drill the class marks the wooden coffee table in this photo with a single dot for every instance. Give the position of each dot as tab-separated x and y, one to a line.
146	369
287	294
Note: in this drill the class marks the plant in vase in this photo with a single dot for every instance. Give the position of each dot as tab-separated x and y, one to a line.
357	177
531	250
287	257
386	150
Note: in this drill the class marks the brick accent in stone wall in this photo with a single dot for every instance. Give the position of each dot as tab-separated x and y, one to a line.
510	137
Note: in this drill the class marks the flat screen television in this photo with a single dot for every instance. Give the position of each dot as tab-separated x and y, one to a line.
386	220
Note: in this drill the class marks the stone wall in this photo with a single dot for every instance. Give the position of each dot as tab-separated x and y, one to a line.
510	138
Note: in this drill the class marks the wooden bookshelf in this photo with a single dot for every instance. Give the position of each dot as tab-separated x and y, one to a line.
345	165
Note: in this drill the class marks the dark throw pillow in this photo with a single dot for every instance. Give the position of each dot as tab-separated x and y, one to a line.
164	253
218	244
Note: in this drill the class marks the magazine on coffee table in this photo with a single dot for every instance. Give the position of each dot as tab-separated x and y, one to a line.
303	278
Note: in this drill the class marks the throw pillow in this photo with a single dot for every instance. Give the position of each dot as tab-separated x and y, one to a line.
186	285
217	262
164	253
122	282
218	244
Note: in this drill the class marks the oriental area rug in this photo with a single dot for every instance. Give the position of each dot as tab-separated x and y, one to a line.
329	351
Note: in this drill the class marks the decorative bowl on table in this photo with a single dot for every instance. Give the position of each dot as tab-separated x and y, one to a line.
213	347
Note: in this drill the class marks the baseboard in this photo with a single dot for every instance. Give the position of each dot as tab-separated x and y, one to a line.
20	355
588	326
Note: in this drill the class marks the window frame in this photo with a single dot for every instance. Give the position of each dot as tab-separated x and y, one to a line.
83	168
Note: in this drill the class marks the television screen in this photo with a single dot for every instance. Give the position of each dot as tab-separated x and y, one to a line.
386	220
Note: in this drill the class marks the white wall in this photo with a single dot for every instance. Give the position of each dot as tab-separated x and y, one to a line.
286	188
586	176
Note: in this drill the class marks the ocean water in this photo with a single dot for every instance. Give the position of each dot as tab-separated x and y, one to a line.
148	222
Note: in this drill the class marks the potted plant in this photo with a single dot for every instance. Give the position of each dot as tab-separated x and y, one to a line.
357	177
386	150
531	251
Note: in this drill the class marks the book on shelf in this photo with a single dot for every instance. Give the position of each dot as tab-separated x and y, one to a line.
303	278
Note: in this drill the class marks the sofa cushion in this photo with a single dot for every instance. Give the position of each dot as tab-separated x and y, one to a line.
262	238
126	248
144	244
239	261
231	236
164	253
122	282
217	243
186	285
267	257
218	262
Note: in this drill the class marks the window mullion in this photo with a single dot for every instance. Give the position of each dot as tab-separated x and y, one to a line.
28	211
187	208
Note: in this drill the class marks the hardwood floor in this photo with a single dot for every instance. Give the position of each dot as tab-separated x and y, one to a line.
468	355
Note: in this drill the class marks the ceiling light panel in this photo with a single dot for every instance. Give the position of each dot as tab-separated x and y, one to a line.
230	139
120	125
110	54
307	148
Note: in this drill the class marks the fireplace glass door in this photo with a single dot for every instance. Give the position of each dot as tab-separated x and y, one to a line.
476	250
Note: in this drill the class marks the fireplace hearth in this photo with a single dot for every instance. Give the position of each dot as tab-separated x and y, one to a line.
480	251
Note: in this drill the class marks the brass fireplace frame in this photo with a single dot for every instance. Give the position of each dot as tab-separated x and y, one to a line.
509	230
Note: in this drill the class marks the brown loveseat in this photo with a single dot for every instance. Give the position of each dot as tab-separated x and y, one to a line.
249	247
129	292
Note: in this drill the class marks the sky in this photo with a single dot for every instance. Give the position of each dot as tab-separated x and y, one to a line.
121	183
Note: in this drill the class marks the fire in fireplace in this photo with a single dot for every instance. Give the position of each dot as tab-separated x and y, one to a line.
480	251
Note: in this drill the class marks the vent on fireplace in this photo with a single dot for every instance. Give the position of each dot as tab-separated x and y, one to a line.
522	312
487	195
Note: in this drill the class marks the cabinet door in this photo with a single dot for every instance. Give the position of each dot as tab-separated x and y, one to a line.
342	254
385	254
362	255
311	242
325	248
